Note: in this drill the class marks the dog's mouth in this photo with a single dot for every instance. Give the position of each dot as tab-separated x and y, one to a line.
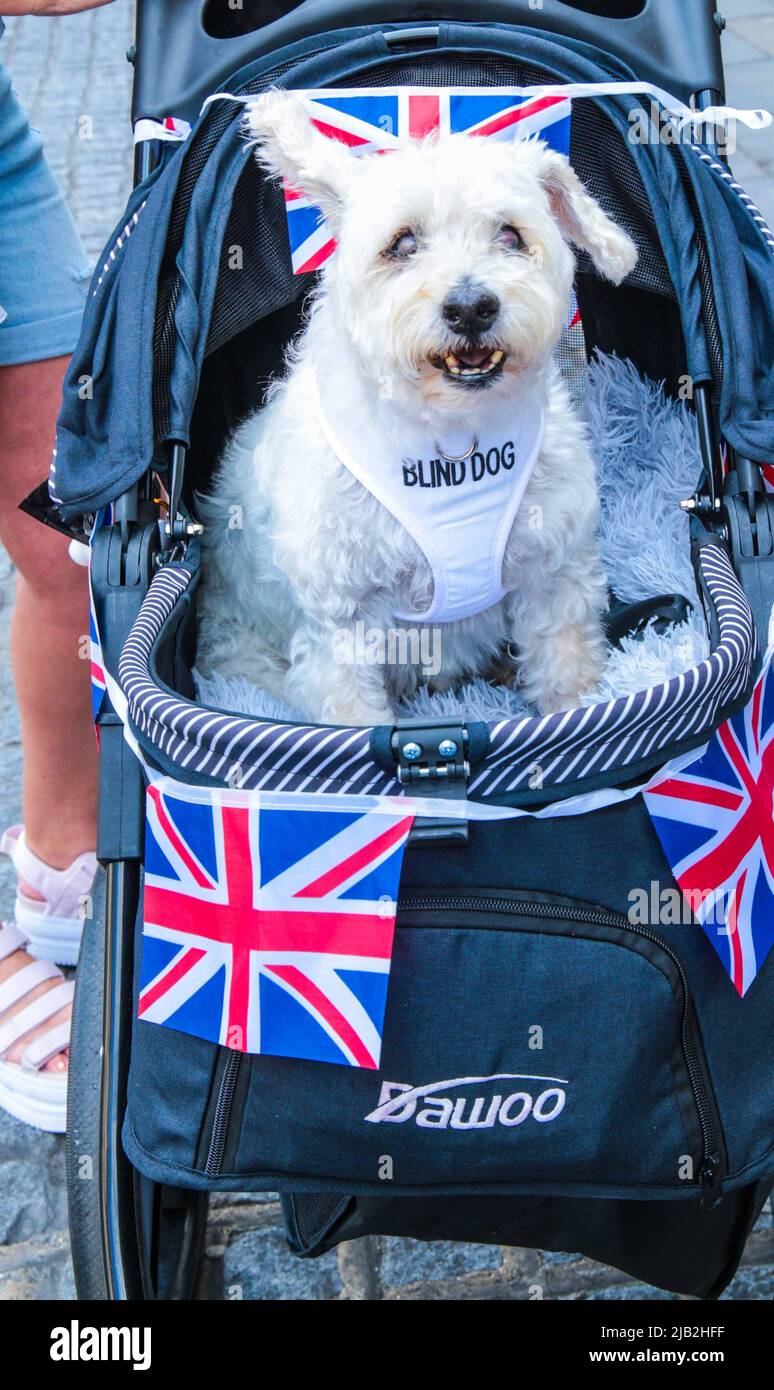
471	366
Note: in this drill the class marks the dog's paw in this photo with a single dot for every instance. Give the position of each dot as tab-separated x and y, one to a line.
354	710
574	669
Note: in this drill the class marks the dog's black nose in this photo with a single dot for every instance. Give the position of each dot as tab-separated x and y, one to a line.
470	309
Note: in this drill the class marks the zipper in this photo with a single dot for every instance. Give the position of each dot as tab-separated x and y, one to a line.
710	1175
222	1113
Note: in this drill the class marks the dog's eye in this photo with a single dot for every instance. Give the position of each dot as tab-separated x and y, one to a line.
511	238
404	245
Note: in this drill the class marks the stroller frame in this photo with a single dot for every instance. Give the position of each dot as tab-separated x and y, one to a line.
133	1238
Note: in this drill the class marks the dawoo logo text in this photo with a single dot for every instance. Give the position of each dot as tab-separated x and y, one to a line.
460	1104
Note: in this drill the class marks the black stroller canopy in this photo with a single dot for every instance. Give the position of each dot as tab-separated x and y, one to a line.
164	296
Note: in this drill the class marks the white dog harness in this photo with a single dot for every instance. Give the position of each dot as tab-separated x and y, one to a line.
457	497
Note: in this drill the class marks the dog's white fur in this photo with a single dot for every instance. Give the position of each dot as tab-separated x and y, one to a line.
295	548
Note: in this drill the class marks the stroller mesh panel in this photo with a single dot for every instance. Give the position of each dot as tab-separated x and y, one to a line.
203	141
312	1211
570	357
266	282
616	184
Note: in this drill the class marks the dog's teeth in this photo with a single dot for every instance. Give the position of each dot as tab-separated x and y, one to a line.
458	367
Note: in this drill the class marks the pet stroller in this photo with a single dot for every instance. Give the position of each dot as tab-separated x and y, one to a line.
553	1075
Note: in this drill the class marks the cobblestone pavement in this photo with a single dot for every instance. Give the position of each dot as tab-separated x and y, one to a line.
64	70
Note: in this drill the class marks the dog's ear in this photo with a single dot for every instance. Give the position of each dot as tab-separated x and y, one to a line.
289	147
583	221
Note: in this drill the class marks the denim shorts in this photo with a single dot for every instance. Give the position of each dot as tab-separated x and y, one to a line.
44	273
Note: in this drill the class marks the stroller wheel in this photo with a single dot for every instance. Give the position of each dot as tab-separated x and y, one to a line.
131	1238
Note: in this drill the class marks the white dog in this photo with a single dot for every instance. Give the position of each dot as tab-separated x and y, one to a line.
421	463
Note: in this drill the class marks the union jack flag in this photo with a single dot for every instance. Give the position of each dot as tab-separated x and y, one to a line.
714	820
98	685
381	119
268	929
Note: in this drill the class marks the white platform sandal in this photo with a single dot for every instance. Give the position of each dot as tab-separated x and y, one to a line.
54	925
26	1091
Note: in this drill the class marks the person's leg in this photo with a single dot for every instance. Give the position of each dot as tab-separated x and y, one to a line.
50	620
49	623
